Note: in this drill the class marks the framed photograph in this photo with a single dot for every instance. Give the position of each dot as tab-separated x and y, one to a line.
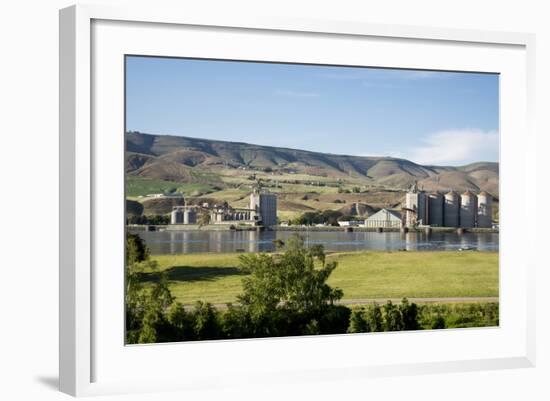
279	200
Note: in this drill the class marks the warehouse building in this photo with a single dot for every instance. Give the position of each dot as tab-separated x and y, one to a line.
384	218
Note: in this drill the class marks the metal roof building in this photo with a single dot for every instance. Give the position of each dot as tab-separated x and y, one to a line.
384	218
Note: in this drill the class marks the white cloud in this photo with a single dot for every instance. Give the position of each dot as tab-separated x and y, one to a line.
422	74
295	94
456	147
377	75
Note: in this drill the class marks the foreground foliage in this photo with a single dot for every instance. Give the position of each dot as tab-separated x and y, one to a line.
285	294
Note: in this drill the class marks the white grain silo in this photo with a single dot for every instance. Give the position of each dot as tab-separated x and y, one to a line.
435	209
189	216
451	209
417	208
484	210
176	217
468	209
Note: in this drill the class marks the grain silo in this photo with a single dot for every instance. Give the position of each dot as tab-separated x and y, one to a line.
176	217
416	208
468	209
451	209
435	209
484	210
189	216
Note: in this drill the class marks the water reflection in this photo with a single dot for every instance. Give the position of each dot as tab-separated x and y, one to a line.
174	242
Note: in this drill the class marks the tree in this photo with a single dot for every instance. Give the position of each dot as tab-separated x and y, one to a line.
205	321
290	284
374	318
204	218
409	314
331	217
235	323
327	216
366	319
181	321
438	322
136	251
393	320
145	306
358	322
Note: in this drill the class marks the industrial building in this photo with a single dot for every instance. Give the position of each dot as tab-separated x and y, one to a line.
264	205
183	215
384	218
466	210
262	211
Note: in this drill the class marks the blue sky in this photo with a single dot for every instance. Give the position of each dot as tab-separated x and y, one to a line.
443	118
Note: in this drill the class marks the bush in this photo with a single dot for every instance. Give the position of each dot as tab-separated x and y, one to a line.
393	321
358	322
205	322
439	316
181	322
409	315
374	318
438	323
335	320
235	323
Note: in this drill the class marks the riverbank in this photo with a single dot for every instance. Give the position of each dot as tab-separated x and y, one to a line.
229	227
216	278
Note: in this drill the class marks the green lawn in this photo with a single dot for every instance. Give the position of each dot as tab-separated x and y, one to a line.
214	277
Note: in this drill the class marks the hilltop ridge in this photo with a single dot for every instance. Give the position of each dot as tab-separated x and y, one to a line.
221	163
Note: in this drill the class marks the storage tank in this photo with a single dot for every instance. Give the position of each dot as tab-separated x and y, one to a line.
484	210
189	216
176	217
468	209
416	201
435	209
451	208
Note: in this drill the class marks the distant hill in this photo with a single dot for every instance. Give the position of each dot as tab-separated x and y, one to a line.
227	164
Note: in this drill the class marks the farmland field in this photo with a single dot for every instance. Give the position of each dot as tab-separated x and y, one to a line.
139	186
216	278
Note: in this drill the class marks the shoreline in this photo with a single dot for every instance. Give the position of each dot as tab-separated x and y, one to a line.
224	227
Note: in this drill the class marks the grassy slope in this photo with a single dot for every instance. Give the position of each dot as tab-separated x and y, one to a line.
139	186
215	277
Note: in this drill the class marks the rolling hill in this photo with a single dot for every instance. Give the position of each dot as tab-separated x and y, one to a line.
224	165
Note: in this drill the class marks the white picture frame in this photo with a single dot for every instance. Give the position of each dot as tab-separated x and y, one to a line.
93	357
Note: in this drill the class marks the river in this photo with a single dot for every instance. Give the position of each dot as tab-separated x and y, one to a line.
174	242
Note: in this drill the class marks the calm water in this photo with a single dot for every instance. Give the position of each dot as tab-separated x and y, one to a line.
173	242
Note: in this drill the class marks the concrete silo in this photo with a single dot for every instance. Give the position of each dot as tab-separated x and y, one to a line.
484	210
189	216
176	217
451	209
435	209
468	210
416	204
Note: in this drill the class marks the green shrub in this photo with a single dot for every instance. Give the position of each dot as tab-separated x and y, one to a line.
205	322
374	318
393	321
409	315
335	320
438	323
358	322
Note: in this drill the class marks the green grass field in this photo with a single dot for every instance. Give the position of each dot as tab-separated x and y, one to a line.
139	186
215	277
